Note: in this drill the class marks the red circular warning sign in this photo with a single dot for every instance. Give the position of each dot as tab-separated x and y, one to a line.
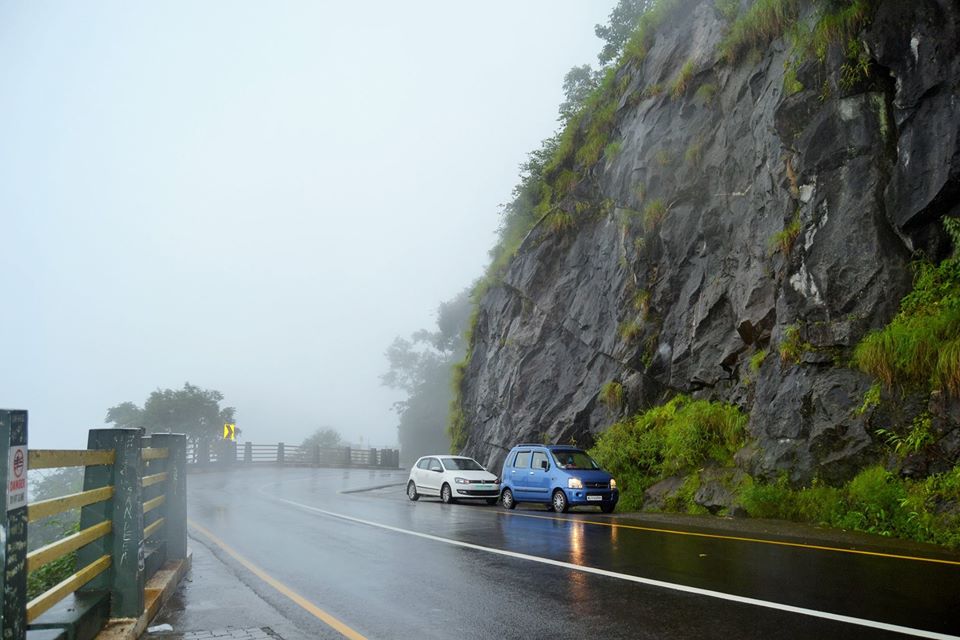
18	463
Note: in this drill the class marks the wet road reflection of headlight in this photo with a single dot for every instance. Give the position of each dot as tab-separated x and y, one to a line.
574	483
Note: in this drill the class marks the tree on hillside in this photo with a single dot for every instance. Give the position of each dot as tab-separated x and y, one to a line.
190	410
578	84
623	20
324	437
422	367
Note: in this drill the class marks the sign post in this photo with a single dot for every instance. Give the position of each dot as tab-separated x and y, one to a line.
13	525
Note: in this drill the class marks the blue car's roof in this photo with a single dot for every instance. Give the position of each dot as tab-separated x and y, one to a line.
551	447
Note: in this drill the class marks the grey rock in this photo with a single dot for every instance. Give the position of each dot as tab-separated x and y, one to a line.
656	497
717	489
867	171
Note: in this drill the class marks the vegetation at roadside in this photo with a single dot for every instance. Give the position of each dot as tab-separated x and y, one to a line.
45	485
52	574
680	435
875	501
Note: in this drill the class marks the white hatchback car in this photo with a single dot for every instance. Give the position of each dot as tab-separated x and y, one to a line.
452	478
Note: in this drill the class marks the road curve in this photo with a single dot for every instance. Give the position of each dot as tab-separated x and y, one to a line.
375	565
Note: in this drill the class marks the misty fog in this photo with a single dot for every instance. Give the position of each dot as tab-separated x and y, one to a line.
255	198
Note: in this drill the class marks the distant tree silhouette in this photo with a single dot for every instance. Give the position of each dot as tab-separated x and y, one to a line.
191	410
326	437
422	367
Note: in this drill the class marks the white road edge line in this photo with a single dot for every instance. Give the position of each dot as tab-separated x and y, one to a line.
919	633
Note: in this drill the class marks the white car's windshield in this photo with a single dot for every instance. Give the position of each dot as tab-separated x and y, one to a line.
461	464
574	460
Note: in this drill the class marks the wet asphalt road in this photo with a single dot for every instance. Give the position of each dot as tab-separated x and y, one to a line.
383	581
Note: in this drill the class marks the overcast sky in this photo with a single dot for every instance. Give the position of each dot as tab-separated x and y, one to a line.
255	197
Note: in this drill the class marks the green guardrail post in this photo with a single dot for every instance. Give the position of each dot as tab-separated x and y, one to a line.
280	453
247	452
175	506
13	520
347	457
125	579
204	448
226	452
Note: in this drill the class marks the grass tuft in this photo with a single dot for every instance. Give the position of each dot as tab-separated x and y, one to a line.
682	81
764	22
784	240
630	331
705	94
611	394
653	214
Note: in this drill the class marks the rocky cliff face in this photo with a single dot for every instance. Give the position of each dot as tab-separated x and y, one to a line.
770	204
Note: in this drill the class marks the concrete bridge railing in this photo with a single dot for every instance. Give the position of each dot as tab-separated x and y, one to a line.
130	544
226	453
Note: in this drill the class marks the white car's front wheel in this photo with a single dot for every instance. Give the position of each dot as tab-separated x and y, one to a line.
446	495
412	491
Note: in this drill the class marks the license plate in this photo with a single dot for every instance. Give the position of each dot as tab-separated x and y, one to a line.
483	487
594	498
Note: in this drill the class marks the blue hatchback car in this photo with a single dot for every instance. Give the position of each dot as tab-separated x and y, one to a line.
559	476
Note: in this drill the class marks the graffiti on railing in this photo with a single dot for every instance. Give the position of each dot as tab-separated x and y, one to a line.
126	521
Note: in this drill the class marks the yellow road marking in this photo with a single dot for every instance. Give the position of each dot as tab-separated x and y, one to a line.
737	538
305	604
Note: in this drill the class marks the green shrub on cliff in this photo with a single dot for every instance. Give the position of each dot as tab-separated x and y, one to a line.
920	348
761	24
681	434
611	394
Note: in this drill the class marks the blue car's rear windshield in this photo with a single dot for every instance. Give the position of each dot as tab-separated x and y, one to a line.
574	460
461	464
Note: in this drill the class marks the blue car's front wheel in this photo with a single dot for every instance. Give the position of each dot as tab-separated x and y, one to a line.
559	502
506	498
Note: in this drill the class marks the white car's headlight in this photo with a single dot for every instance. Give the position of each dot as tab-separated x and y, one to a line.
613	484
461	481
574	483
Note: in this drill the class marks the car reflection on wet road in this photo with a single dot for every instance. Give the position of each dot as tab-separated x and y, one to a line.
389	568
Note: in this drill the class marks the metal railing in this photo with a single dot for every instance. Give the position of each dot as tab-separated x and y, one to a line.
224	453
132	520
